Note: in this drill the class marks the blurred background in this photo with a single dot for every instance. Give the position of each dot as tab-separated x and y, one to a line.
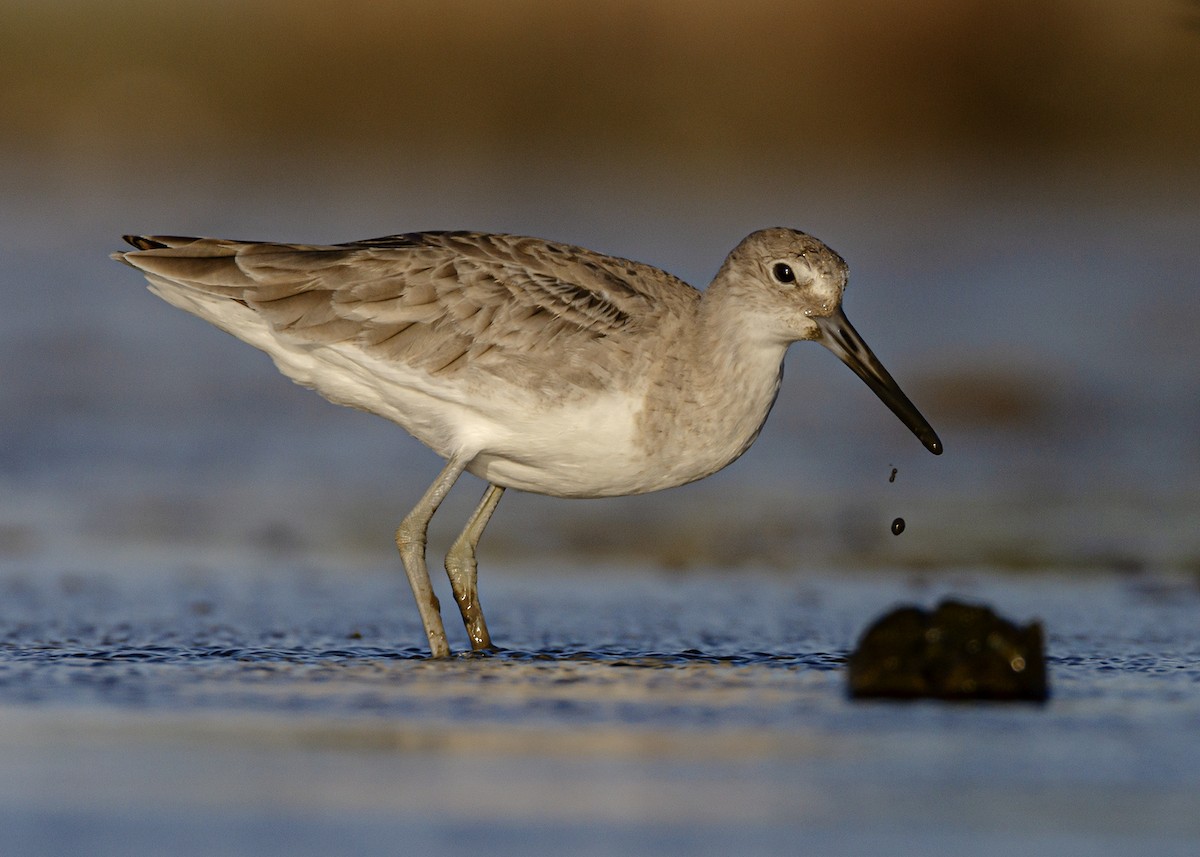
1015	185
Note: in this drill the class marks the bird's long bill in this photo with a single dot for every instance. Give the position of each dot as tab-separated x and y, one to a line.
840	337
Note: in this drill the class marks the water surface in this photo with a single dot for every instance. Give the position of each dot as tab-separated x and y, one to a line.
287	710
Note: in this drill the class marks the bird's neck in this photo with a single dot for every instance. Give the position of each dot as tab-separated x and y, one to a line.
739	365
728	374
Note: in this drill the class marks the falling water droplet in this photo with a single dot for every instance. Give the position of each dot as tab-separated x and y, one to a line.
897	526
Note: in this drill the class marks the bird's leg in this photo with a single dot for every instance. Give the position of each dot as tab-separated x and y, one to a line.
462	569
410	539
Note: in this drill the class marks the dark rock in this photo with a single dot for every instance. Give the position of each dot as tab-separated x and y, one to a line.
959	651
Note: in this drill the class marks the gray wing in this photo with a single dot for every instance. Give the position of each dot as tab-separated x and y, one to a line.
441	301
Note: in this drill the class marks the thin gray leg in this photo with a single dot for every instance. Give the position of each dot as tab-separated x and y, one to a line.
410	539
462	569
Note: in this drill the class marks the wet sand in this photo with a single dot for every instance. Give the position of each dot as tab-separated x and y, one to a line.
283	710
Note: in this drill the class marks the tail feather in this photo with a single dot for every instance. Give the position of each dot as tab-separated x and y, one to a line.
149	242
157	242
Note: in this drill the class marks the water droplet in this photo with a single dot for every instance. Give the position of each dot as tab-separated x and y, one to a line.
897	526
892	478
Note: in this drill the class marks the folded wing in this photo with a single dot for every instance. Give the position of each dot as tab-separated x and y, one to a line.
440	301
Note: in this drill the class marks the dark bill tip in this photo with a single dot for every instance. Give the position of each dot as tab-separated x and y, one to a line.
840	337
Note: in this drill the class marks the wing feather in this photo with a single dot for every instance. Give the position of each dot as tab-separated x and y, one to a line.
444	302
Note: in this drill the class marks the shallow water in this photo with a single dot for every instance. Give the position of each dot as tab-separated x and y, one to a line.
287	710
206	646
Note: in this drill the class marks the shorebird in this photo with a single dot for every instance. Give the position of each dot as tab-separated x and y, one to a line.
531	364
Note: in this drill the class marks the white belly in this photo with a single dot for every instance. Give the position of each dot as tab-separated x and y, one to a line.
586	449
575	446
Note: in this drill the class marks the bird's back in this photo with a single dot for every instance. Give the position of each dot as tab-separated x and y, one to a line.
444	303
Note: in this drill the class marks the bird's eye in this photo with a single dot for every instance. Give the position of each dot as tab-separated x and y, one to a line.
784	273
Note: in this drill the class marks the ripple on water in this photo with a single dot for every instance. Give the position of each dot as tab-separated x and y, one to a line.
758	650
